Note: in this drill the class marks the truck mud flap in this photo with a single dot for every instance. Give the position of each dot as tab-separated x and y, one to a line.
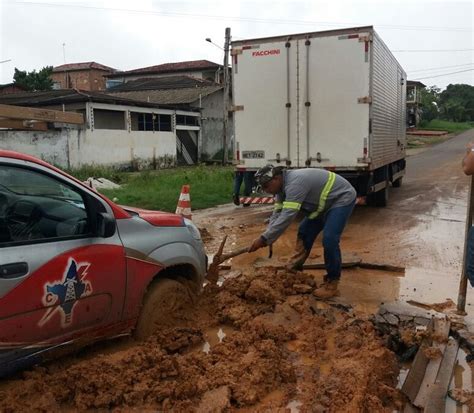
378	187
398	175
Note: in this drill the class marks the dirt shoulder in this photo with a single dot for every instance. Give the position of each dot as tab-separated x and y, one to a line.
419	143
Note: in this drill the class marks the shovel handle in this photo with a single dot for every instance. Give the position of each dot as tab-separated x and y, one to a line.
232	254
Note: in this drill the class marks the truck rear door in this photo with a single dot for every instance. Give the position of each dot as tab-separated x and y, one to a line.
334	104
303	101
260	97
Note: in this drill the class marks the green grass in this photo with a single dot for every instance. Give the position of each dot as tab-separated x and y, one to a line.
451	127
422	141
209	186
98	172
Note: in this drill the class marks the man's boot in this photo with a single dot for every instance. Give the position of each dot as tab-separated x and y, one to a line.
328	289
236	199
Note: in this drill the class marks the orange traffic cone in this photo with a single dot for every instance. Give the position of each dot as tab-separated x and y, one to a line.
184	203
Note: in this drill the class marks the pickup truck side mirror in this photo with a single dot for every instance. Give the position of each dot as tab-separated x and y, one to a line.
106	225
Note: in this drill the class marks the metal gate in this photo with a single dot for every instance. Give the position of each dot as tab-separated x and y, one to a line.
186	146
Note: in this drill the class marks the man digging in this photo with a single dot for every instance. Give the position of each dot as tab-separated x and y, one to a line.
327	201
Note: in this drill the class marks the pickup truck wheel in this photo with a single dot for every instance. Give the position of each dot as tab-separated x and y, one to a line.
167	303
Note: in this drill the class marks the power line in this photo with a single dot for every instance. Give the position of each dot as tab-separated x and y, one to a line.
245	19
440	67
433	50
445	74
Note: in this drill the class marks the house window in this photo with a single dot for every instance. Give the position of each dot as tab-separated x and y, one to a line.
187	120
163	123
151	122
110	83
109	119
145	121
410	93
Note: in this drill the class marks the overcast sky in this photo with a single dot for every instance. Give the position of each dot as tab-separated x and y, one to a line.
431	39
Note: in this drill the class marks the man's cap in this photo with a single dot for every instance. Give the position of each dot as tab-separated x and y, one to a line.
264	174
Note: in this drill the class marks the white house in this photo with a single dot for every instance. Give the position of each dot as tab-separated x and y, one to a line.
118	132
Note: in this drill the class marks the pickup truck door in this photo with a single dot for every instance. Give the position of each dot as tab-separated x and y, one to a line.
57	278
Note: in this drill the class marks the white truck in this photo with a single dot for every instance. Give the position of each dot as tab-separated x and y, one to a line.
332	99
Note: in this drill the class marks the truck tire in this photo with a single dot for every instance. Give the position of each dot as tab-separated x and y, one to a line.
397	183
167	303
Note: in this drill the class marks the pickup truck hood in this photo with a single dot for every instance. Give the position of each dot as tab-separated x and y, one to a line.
157	218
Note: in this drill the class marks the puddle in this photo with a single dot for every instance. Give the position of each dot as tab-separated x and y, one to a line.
215	336
294	406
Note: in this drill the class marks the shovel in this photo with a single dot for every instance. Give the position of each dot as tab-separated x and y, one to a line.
219	258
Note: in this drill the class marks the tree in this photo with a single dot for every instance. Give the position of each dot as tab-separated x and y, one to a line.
34	81
430	103
457	102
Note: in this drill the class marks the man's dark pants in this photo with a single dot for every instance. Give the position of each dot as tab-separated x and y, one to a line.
247	178
332	224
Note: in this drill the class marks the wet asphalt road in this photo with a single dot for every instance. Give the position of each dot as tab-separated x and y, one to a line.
451	150
422	229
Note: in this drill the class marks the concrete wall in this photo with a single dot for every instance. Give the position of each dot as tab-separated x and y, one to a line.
52	146
212	125
137	149
73	148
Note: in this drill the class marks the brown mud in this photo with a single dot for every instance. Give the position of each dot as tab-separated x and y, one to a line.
276	349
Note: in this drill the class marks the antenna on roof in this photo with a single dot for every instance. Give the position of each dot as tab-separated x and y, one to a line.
64	52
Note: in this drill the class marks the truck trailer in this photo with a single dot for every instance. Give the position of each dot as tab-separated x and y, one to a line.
331	99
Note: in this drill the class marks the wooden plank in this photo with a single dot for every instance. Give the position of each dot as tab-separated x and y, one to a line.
409	408
23	124
47	115
412	383
382	267
314	265
441	333
437	397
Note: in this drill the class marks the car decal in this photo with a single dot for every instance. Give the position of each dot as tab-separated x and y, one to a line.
140	256
63	295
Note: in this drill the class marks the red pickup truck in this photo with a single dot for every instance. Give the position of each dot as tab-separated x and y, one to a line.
76	267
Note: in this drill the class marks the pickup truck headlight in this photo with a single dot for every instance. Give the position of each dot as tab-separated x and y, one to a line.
192	229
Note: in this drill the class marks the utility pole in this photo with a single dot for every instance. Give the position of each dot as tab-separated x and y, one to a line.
226	94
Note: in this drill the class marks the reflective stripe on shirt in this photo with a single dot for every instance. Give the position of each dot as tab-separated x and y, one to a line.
291	205
324	195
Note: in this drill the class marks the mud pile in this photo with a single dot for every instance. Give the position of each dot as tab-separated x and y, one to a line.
279	349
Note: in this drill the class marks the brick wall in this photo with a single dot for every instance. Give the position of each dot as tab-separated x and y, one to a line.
10	89
90	79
